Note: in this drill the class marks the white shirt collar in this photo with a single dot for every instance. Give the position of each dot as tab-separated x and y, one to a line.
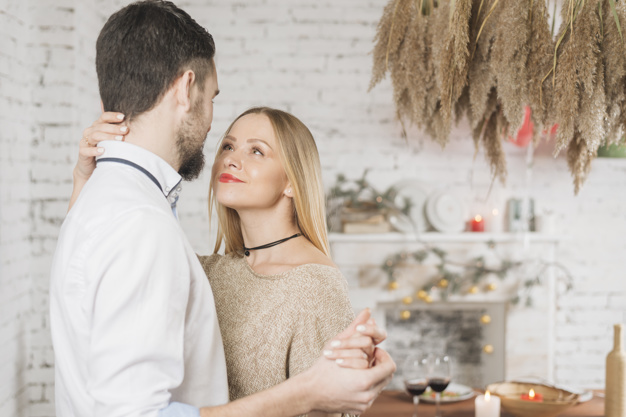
169	180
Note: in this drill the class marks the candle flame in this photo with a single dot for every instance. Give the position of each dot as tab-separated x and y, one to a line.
531	393
487	396
478	217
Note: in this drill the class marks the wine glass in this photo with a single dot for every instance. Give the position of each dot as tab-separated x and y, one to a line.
415	371
439	377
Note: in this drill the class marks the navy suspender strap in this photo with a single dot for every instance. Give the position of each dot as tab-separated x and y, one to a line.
134	165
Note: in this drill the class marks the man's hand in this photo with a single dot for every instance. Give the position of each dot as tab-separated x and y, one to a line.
336	389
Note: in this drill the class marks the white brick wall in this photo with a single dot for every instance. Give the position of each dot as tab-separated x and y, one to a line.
308	57
15	139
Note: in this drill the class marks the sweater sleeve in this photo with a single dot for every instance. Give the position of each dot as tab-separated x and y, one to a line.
325	311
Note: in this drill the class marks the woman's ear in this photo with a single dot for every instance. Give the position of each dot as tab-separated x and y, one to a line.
288	191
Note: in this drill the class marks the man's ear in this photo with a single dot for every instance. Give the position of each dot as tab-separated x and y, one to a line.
183	86
101	106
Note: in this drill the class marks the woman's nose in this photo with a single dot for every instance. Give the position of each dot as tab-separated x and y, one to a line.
232	160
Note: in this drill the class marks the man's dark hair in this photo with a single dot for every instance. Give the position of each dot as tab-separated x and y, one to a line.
143	48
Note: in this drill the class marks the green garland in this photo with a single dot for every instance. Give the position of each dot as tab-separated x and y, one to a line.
472	277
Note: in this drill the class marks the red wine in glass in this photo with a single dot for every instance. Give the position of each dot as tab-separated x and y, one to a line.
439	384
439	376
416	387
415	372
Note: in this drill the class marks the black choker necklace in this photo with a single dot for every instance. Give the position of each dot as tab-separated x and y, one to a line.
246	251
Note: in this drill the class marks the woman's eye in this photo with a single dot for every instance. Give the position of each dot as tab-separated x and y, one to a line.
257	151
227	147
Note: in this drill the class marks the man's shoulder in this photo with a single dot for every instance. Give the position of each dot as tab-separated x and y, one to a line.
110	209
109	193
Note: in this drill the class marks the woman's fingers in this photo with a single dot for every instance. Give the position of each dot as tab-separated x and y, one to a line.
372	330
354	342
99	132
345	354
353	363
89	152
349	358
111	117
107	127
359	343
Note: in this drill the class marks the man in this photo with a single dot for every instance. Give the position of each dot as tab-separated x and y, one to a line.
133	321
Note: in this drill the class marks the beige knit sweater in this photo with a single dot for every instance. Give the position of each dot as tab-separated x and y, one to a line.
274	326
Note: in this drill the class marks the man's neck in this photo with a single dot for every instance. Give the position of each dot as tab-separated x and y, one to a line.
155	131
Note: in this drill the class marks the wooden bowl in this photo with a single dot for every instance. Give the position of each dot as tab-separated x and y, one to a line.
555	400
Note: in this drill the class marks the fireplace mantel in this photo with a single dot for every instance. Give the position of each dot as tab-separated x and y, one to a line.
356	253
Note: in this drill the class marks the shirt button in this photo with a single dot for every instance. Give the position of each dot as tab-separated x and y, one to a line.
167	189
179	189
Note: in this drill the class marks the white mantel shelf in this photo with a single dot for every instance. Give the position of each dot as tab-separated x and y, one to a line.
467	237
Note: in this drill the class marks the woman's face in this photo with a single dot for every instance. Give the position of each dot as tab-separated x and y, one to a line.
248	172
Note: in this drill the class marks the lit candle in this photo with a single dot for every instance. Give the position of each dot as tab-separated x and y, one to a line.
478	224
532	396
487	405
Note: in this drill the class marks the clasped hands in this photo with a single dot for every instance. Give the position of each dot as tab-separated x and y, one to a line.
355	347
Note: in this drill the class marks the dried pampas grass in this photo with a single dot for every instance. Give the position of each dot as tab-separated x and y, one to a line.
614	59
579	161
579	96
488	59
389	35
453	58
541	48
509	58
482	79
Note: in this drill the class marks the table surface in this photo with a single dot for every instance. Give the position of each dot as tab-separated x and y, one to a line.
398	403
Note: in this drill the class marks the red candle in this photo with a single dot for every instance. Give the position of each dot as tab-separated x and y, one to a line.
532	396
478	224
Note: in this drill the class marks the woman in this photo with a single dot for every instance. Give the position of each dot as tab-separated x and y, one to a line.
267	191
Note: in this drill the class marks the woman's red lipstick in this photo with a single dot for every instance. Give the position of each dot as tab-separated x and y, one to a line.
229	178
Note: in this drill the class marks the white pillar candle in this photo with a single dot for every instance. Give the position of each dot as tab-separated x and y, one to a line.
494	221
487	405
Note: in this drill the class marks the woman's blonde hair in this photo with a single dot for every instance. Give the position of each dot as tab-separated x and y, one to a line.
300	159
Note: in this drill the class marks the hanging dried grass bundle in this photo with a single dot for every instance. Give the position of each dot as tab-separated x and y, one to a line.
453	58
579	101
489	132
481	76
509	57
434	123
541	48
401	73
614	59
591	121
573	50
492	140
414	58
579	161
462	106
592	115
389	35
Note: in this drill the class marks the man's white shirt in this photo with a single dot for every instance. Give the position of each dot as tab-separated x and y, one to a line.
133	320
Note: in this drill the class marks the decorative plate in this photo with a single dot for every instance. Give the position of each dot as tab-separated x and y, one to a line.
454	393
416	194
446	212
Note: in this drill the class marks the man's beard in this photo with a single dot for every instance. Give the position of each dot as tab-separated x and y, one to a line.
189	146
